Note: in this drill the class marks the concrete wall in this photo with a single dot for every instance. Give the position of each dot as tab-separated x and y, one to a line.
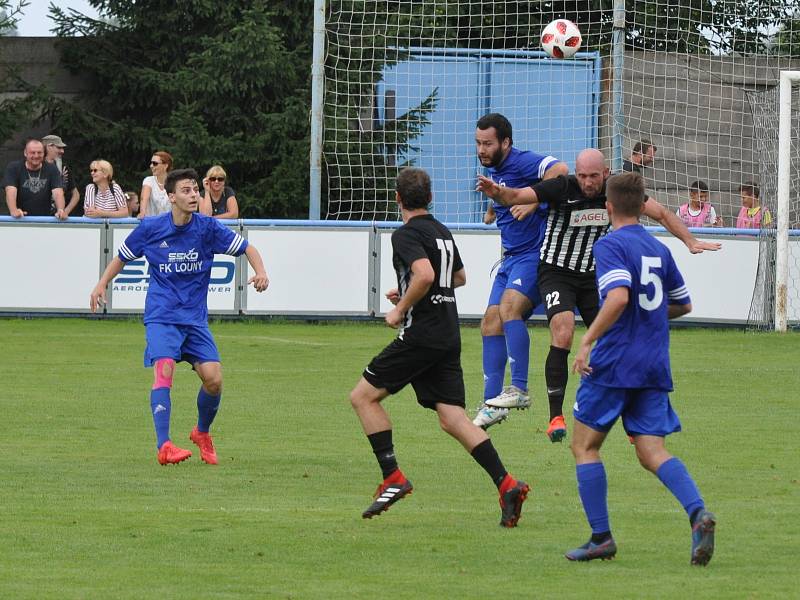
696	111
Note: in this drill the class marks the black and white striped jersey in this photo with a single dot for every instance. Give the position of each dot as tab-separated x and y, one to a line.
574	223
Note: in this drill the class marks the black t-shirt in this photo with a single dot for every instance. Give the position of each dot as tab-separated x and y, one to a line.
433	321
630	167
574	223
221	207
34	188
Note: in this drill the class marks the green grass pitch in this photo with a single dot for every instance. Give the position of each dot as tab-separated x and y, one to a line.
88	513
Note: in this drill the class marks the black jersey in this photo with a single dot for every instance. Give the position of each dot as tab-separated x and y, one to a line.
574	223
433	321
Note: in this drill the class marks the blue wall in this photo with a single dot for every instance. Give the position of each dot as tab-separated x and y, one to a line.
552	105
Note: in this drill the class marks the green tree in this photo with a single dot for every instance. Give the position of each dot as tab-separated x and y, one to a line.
210	82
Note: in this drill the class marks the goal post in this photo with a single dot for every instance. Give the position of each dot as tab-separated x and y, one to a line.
788	81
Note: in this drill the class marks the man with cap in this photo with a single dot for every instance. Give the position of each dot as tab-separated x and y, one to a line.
53	154
33	185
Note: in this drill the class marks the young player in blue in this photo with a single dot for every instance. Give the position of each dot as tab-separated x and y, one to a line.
180	246
514	292
641	289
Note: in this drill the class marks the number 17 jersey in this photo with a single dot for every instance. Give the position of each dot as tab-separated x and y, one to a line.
634	352
433	320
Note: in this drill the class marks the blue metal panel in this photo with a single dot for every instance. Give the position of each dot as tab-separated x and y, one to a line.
552	104
446	147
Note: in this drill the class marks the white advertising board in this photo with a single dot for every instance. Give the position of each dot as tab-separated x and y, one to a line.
312	271
720	283
129	288
479	253
49	267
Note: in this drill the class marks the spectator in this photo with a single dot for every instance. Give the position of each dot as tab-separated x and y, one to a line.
104	198
698	212
32	185
218	200
644	152
153	199
752	215
53	154
132	199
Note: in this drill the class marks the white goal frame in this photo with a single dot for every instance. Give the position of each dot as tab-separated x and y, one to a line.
789	79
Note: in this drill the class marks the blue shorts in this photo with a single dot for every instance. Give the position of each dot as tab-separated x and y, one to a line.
644	411
521	273
179	342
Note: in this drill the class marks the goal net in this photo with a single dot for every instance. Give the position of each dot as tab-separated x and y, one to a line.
405	83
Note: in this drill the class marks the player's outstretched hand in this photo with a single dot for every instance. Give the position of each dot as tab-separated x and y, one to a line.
699	246
260	281
487	186
394	318
393	295
97	297
581	364
521	211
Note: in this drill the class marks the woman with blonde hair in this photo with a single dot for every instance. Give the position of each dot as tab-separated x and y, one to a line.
103	197
218	200
154	200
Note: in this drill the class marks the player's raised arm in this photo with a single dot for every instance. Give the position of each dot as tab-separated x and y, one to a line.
556	170
505	195
98	294
672	223
421	279
260	280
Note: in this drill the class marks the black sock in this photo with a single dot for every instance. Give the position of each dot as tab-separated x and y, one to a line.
599	538
556	373
384	451
486	456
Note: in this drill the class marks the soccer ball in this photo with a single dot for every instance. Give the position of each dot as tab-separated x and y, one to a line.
561	39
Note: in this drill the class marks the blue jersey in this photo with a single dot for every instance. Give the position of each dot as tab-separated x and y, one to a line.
634	352
521	169
180	260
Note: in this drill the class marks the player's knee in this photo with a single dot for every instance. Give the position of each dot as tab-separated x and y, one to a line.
213	384
164	370
491	323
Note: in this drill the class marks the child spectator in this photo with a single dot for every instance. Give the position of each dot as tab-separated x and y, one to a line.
698	212
752	215
132	199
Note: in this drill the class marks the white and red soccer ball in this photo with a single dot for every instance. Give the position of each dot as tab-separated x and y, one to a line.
561	38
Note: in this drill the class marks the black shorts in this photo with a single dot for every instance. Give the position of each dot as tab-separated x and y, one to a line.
564	290
435	374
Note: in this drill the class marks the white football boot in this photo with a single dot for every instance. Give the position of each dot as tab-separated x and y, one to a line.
489	415
511	397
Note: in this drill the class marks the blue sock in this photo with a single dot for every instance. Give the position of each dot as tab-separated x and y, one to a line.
676	478
593	490
494	365
519	349
207	407
161	407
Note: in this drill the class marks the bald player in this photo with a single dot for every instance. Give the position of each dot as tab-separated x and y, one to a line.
577	218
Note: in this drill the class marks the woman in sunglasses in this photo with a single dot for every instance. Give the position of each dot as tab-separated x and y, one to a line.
153	200
103	197
218	200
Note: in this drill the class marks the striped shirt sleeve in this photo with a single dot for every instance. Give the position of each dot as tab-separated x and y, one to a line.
677	292
611	267
133	246
227	241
